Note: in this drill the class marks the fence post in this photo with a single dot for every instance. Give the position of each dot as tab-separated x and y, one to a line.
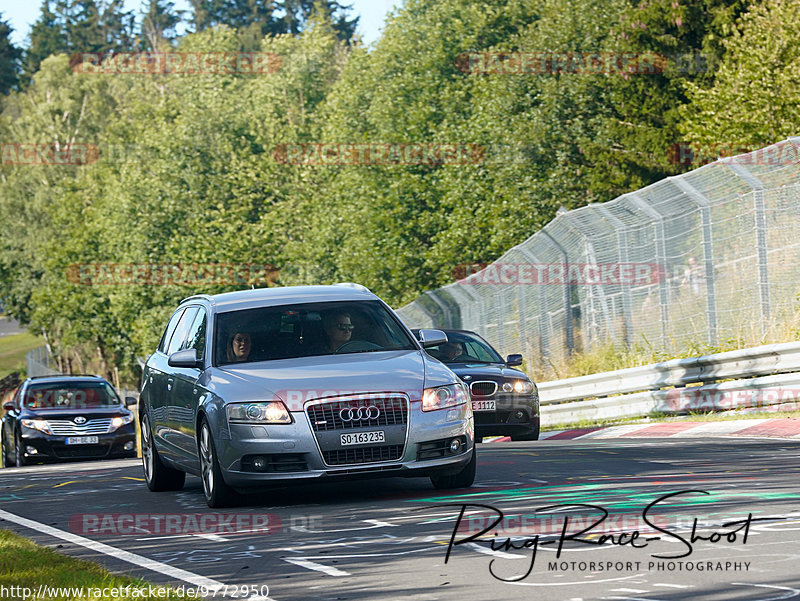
708	253
624	257
447	318
759	210
569	334
661	254
544	341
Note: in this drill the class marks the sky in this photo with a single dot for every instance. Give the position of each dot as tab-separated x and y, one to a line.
21	14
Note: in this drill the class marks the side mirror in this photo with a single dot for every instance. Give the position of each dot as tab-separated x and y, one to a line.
429	338
513	360
130	401
8	406
187	358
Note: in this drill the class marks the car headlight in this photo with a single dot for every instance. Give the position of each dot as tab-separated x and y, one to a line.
269	412
37	424
523	387
118	422
442	397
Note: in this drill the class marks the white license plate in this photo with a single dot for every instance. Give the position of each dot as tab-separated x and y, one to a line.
83	440
484	405
362	438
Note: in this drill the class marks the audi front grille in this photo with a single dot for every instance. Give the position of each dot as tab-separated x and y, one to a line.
358	412
483	388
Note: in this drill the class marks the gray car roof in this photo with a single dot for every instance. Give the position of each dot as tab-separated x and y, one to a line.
281	295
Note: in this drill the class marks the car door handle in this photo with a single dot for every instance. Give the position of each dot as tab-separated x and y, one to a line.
194	391
169	383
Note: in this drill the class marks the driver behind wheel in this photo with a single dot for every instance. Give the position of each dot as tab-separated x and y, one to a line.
338	328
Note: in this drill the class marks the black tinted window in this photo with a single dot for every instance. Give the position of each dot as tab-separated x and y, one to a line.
464	348
70	395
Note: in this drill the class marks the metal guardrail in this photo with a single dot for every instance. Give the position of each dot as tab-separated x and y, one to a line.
759	376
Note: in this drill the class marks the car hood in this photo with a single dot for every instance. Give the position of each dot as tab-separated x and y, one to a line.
296	381
493	371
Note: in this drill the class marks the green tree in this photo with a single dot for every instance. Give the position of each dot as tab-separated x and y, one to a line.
10	56
46	38
754	98
159	24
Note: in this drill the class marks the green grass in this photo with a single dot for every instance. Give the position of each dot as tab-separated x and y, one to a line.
24	564
13	349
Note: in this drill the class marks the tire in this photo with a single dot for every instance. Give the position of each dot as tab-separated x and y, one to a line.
532	434
215	489
19	456
7	461
462	479
158	476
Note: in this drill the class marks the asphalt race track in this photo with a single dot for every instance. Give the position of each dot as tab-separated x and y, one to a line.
388	539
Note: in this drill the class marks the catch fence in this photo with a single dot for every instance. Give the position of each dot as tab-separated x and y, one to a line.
701	260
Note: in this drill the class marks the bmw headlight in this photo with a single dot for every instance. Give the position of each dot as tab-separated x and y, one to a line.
523	386
267	412
120	421
443	397
37	424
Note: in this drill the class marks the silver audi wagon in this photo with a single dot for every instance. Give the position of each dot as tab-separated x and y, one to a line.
299	383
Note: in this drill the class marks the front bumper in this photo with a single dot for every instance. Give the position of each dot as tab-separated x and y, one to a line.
291	452
513	415
52	448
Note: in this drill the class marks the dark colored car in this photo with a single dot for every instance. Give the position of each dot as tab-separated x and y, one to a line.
66	417
505	401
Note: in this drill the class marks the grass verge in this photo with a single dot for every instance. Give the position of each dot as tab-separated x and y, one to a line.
692	417
28	567
13	349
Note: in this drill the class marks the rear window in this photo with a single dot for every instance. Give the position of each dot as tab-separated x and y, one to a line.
70	395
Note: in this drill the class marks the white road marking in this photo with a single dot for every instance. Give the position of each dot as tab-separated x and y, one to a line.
312	565
379	523
127	556
628	590
793	592
672	585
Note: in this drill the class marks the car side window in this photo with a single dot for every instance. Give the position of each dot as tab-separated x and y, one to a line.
169	330
196	338
181	330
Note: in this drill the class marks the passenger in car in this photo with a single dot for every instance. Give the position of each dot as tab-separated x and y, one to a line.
338	328
239	346
452	351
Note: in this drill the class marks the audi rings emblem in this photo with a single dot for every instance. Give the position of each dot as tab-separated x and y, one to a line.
354	414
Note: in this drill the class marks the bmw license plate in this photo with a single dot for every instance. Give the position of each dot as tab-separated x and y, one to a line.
484	405
362	438
83	440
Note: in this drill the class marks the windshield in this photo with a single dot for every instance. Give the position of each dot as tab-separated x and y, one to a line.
305	330
464	348
71	395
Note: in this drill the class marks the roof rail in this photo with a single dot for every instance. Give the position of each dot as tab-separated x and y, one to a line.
66	376
353	285
203	296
